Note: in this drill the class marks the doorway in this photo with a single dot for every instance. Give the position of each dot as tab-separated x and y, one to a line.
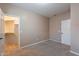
12	33
66	32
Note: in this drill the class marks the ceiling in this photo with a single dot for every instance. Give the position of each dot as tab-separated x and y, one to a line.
44	9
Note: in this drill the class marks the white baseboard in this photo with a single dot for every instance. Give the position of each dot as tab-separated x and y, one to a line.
74	52
59	42
55	41
34	43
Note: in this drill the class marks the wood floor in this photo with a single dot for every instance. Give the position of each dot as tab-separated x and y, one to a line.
11	42
11	38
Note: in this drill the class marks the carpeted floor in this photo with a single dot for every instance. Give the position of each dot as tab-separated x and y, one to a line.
48	48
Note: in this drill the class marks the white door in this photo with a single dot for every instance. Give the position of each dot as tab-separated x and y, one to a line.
1	32
65	29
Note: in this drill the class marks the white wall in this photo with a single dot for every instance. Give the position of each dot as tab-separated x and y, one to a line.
34	27
55	25
75	27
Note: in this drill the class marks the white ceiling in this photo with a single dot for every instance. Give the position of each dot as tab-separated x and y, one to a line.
45	9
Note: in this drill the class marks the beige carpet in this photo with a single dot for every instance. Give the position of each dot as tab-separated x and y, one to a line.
48	48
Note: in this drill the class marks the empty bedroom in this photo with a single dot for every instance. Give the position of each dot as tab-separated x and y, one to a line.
39	29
